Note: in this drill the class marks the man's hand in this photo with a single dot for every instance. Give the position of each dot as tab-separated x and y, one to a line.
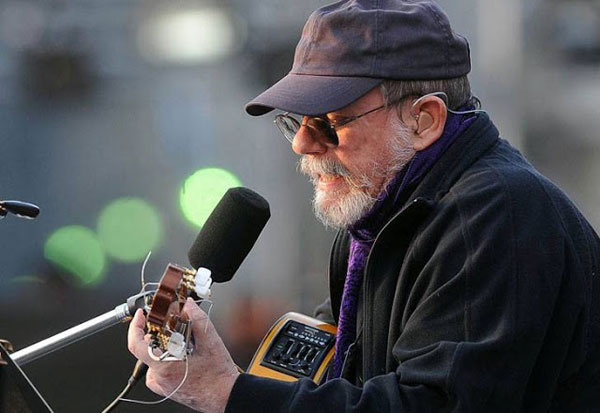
211	374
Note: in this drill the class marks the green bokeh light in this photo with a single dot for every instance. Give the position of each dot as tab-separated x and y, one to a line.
76	249
202	191
128	228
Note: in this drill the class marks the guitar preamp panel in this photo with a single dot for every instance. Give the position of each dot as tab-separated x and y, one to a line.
296	346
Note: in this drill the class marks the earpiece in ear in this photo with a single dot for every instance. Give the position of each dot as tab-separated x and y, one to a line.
416	117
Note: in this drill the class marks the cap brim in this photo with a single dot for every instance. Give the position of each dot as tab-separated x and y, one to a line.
311	95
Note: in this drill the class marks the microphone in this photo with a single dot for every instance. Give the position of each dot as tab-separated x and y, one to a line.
229	233
19	208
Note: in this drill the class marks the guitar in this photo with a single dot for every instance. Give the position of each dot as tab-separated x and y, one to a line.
295	346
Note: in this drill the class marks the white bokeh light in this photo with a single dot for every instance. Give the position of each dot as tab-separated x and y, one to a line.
187	36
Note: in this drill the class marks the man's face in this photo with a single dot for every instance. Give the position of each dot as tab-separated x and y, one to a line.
348	178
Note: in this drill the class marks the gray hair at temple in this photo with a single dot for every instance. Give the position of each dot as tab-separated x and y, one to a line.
457	89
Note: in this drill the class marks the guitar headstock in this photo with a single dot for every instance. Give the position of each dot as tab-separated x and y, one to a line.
168	326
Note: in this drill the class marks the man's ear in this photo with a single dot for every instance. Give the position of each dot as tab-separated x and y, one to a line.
429	114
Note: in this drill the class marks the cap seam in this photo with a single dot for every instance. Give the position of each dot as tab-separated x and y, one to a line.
446	33
311	43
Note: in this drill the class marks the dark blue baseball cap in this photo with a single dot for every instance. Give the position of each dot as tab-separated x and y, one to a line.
349	47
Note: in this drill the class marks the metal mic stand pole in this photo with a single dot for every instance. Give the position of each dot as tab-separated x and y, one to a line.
121	313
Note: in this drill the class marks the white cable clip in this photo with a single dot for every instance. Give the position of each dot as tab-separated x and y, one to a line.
203	281
177	346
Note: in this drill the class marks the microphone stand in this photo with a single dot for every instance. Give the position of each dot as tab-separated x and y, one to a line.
121	313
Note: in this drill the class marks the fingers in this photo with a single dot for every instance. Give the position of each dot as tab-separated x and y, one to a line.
135	332
138	319
138	346
193	310
199	319
135	338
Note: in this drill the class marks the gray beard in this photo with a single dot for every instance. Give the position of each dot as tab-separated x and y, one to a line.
346	209
345	212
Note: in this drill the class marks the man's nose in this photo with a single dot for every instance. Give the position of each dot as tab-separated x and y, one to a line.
305	143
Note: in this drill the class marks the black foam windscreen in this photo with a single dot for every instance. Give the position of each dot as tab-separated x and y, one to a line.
230	233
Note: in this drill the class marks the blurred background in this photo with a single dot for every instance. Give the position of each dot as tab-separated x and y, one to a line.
124	121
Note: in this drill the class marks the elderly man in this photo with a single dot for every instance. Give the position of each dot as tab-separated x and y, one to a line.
460	280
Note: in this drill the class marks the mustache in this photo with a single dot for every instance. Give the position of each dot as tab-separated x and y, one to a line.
313	167
321	166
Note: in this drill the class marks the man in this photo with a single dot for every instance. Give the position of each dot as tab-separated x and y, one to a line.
461	279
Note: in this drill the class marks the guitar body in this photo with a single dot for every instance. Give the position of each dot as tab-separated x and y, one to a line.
296	346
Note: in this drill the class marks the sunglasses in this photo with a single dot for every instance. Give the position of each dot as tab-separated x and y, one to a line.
326	134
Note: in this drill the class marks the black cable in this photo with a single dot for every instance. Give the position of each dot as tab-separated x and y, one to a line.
138	371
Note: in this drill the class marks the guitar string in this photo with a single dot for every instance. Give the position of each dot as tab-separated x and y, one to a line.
211	304
143	282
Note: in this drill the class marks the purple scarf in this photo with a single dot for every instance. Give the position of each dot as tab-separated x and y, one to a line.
363	233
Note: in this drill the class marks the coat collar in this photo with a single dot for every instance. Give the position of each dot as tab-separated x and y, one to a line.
436	183
467	148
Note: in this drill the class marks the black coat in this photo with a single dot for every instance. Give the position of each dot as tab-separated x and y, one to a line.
480	294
